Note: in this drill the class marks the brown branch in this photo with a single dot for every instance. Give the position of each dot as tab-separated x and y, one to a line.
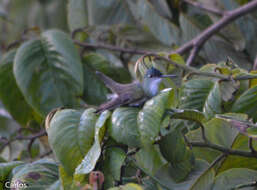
193	71
223	149
199	40
111	48
204	7
20	137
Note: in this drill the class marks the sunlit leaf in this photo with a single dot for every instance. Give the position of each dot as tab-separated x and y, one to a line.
124	128
71	135
89	161
150	117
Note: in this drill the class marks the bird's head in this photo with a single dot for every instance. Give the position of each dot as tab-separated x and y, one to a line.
155	73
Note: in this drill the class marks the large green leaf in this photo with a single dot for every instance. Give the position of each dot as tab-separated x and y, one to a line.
174	150
49	72
150	159
37	175
203	95
71	135
150	117
220	132
247	103
124	128
89	161
233	178
163	30
114	158
10	94
200	178
77	14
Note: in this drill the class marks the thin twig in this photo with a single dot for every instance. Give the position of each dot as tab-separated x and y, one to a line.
223	149
250	145
206	8
192	54
20	137
230	16
193	71
219	158
111	48
46	154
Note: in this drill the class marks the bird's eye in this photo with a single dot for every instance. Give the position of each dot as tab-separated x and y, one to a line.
149	75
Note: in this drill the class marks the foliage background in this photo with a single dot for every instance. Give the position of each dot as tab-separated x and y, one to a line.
198	134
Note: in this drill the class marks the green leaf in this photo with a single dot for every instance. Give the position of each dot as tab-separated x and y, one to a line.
71	135
199	179
150	117
37	175
174	150
150	159
114	158
247	103
232	178
219	131
77	14
163	30
10	94
49	72
203	95
65	179
124	128
5	170
187	114
89	161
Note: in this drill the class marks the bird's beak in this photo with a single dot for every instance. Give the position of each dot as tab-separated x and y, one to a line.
168	76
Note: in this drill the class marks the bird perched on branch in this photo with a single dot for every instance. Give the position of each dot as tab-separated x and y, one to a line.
133	93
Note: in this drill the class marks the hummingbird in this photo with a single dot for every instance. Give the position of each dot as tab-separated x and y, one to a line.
135	93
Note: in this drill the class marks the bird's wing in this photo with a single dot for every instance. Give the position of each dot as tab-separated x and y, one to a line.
110	105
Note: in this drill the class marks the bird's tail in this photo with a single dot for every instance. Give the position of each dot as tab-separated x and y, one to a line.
111	84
